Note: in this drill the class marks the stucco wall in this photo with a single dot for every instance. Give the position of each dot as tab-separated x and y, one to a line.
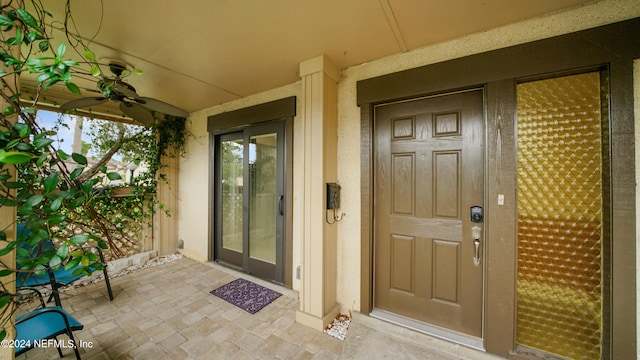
194	191
194	168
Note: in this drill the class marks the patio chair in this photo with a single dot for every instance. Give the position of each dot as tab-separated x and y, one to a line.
59	277
42	324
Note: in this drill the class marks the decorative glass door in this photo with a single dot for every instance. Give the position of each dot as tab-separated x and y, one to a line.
562	186
250	200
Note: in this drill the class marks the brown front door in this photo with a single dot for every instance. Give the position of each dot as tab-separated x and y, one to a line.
429	172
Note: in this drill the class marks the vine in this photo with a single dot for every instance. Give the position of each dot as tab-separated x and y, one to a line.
55	192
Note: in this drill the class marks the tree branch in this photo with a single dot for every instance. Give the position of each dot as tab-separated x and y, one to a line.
93	170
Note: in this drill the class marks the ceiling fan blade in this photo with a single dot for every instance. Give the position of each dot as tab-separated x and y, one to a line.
83	103
137	112
125	89
162	107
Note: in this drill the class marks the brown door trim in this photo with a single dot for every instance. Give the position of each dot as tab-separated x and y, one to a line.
614	46
281	109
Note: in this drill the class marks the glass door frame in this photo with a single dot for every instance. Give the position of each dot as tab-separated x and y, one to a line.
243	261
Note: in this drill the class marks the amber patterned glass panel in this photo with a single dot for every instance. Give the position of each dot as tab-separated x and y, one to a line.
559	306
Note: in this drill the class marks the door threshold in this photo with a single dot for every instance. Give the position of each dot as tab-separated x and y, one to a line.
437	332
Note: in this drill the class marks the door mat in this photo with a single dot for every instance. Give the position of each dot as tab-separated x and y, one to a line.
246	295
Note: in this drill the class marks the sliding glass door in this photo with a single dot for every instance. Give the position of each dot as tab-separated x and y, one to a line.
249	214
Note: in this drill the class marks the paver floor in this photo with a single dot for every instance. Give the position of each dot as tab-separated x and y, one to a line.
167	312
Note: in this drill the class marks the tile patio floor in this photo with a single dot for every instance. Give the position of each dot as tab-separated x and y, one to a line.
166	312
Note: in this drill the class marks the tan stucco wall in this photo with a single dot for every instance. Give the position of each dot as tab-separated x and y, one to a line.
194	169
193	207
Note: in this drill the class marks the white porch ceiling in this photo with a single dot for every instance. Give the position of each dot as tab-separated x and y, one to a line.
200	53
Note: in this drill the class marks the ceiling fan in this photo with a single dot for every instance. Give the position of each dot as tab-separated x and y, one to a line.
139	108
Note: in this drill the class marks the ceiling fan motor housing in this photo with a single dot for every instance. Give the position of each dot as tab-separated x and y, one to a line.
131	104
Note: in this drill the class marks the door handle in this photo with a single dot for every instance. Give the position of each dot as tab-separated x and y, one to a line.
281	205
476	231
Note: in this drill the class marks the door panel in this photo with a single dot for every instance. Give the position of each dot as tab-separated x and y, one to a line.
265	221
263	193
250	212
429	170
232	198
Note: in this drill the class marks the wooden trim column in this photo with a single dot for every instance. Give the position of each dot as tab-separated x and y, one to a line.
166	237
318	306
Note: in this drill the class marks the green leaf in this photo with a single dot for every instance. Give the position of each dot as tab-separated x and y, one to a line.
17	39
5	299
72	87
62	48
79	158
76	172
42	142
3	334
72	263
114	176
76	254
102	244
28	19
76	202
7	202
22	129
15	157
54	205
85	261
34	200
51	182
55	261
5	21
89	184
43	46
63	155
14	184
41	160
24	147
89	55
55	219
5	272
43	77
7	249
79	239
9	110
22	253
63	251
95	71
81	270
70	63
49	84
40	270
32	36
